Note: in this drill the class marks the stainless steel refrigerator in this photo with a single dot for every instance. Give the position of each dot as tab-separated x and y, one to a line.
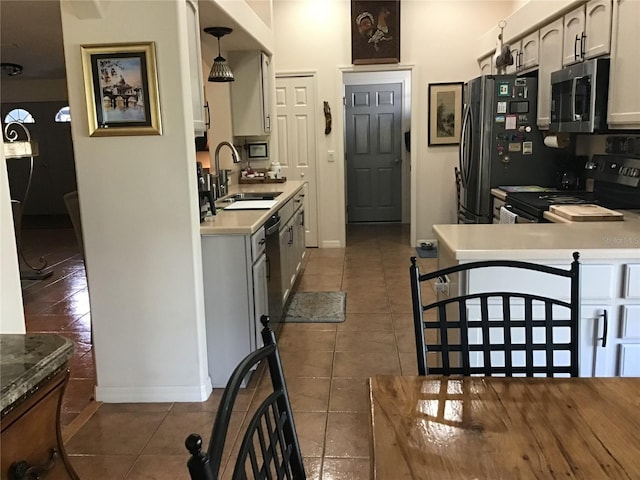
500	143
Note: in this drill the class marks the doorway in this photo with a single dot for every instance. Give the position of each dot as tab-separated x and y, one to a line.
295	111
377	125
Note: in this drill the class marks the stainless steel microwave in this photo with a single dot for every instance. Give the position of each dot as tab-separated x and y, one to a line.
579	97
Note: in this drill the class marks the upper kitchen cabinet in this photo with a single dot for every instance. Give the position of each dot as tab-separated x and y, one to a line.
550	56
587	32
195	66
525	54
486	65
251	93
624	95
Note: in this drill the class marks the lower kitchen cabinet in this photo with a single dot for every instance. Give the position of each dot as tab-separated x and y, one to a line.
235	297
292	242
609	323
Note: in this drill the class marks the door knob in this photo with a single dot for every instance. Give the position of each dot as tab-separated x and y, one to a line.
397	161
302	174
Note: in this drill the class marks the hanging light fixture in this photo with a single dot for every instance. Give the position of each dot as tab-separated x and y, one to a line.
220	71
11	69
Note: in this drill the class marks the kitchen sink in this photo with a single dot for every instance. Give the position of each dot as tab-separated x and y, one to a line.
242	196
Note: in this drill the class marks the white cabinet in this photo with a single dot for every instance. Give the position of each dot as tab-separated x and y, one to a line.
529	52
609	323
195	65
525	54
598	28
624	94
251	93
573	32
587	32
260	297
235	296
486	65
550	60
292	242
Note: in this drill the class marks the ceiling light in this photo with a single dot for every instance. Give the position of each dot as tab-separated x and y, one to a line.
220	71
11	69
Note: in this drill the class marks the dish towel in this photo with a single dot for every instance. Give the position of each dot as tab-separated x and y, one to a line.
506	216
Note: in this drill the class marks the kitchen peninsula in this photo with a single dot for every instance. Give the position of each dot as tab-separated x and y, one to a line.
250	260
609	326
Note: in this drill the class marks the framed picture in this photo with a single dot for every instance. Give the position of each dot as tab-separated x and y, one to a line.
121	88
445	113
375	31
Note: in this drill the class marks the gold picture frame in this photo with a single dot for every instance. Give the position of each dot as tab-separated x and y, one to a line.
121	88
445	113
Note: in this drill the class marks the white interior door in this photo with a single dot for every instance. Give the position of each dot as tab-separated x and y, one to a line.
295	117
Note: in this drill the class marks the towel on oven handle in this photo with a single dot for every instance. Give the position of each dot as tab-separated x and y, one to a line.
506	216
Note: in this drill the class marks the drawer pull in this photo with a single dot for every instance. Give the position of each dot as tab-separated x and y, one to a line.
605	328
24	471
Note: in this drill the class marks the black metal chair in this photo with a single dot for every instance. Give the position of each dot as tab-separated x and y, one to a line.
270	447
496	333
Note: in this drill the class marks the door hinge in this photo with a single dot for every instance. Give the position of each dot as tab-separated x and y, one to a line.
344	101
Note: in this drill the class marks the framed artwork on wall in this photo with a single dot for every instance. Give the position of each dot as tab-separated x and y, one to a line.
375	31
445	113
121	88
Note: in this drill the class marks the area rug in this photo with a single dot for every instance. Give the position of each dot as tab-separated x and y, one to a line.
312	307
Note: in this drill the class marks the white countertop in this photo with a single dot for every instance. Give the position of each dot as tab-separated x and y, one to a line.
246	222
594	240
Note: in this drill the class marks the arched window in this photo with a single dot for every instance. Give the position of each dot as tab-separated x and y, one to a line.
63	115
19	115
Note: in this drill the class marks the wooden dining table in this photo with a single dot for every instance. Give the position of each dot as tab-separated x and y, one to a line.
504	428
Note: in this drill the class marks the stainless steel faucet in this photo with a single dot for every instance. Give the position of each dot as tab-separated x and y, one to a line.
222	181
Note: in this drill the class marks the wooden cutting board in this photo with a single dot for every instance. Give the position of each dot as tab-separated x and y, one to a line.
586	213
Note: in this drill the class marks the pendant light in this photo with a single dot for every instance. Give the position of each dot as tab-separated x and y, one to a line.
220	71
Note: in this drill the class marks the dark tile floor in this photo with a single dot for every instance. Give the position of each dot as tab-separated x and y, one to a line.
326	365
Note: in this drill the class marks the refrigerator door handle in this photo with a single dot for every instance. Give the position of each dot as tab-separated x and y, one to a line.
464	146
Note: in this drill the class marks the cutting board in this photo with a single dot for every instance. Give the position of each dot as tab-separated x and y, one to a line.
586	213
251	205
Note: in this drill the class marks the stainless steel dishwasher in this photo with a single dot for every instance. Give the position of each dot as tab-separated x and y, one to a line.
274	272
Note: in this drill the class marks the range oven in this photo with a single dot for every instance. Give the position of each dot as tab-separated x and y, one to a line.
530	206
617	186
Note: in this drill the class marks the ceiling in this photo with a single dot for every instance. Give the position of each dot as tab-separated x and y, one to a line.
40	49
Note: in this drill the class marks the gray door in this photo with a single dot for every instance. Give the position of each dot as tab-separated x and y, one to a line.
374	156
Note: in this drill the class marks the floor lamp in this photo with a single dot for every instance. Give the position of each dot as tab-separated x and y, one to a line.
16	148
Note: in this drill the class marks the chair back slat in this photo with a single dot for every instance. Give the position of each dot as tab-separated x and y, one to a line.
497	332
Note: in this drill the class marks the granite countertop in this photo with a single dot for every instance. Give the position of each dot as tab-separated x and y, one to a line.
246	222
26	360
594	240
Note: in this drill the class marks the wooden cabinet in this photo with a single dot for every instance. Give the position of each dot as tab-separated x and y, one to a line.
251	93
31	436
200	121
550	60
587	32
624	94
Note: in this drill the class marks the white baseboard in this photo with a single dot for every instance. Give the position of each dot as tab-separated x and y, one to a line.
331	244
197	393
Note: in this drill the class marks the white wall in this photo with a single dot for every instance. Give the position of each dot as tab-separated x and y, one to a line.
140	217
11	312
437	38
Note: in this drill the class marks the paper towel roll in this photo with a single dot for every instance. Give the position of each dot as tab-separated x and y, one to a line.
557	141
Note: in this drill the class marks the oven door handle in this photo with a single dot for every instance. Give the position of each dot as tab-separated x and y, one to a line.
521	217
